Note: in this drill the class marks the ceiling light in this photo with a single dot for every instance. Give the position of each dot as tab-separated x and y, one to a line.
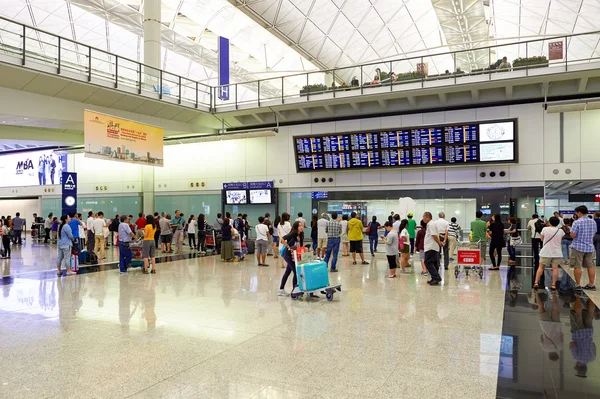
3	121
25	119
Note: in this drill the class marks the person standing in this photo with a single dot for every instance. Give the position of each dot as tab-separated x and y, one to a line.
322	236
6	238
227	254
344	235
291	241
583	253
513	240
219	222
98	228
432	245
82	230
125	236
391	248
269	224
478	228
55	225
74	224
202	225
90	232
262	240
567	240
412	232
535	227
276	236
596	236
551	253
443	227
165	234
496	235
284	228
333	230
65	243
373	228
301	219
240	226
420	245
355	235
113	229
178	224
453	229
314	233
140	223
48	228
149	244
192	233
17	229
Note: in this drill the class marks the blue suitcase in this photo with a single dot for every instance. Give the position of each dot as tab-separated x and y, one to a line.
82	257
312	276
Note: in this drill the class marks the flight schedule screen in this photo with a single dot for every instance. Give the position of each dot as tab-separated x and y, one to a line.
439	145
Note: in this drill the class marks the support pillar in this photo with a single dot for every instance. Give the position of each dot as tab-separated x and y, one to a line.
152	34
148	190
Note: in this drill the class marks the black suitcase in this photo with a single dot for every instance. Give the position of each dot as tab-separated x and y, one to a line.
251	245
92	258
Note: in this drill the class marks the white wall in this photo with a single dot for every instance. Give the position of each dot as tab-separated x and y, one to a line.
272	158
26	207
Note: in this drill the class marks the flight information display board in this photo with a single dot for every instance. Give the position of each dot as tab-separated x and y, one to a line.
439	145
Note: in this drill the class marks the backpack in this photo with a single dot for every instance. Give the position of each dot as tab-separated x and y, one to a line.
539	225
368	229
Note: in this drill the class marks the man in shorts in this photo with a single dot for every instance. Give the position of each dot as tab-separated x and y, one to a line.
583	253
322	236
355	235
262	241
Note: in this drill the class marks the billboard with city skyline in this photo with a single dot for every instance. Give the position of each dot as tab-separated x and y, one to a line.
116	139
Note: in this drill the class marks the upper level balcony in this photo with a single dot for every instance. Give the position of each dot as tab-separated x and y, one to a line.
528	63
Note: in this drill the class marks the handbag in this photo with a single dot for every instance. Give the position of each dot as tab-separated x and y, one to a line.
282	250
400	242
369	229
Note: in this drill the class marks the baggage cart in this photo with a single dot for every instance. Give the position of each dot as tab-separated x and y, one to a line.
304	260
136	253
210	243
469	258
238	248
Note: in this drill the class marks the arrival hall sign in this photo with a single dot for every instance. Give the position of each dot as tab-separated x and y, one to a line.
116	139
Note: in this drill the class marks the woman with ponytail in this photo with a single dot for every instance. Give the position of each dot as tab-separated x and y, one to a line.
65	244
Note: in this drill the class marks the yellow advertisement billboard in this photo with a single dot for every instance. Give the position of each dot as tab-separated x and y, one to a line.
111	138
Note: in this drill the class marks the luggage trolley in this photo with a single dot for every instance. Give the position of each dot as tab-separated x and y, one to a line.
210	243
312	277
238	249
469	258
136	253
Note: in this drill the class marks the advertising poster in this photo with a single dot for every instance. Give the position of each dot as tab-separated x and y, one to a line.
36	168
115	139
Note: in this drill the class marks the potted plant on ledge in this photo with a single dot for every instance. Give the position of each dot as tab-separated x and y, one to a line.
314	88
530	62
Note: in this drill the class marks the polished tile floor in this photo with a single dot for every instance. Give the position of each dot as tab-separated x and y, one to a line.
548	341
200	328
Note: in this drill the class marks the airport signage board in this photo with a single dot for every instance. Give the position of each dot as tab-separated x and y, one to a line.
223	68
35	168
253	185
69	193
482	142
116	139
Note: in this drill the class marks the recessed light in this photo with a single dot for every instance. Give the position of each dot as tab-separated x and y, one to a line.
25	119
3	121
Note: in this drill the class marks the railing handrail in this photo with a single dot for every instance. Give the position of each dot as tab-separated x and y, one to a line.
93	48
212	90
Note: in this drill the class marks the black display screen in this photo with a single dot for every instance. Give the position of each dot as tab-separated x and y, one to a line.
449	144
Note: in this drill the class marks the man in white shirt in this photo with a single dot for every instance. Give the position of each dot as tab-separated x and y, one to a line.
535	227
443	226
561	221
90	233
322	236
98	226
432	246
396	224
262	241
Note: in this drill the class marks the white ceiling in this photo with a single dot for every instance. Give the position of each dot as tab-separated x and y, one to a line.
273	38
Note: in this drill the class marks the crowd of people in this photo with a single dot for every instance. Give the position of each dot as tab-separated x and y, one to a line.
574	241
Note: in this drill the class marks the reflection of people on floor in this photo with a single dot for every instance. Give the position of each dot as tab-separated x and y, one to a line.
149	303
513	286
552	335
582	344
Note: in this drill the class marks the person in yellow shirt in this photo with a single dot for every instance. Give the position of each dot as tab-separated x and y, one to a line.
149	246
355	236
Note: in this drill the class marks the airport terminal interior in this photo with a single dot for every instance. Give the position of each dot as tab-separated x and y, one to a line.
289	199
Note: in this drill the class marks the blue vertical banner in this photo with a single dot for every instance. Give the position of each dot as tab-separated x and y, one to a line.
69	192
223	68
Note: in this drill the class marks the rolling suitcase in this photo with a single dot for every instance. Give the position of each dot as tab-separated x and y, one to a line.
251	244
312	276
74	262
83	257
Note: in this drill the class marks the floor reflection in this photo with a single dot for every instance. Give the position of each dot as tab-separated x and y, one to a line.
548	341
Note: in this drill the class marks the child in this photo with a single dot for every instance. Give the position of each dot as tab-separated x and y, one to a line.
54	230
391	248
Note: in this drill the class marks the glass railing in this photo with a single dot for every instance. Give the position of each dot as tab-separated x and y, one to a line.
37	49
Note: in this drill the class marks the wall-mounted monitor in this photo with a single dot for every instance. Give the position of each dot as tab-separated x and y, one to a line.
261	196
438	145
236	197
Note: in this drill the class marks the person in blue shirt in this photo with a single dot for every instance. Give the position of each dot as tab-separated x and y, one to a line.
74	225
583	253
65	244
125	237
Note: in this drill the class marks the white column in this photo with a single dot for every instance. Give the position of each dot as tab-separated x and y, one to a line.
152	33
148	189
